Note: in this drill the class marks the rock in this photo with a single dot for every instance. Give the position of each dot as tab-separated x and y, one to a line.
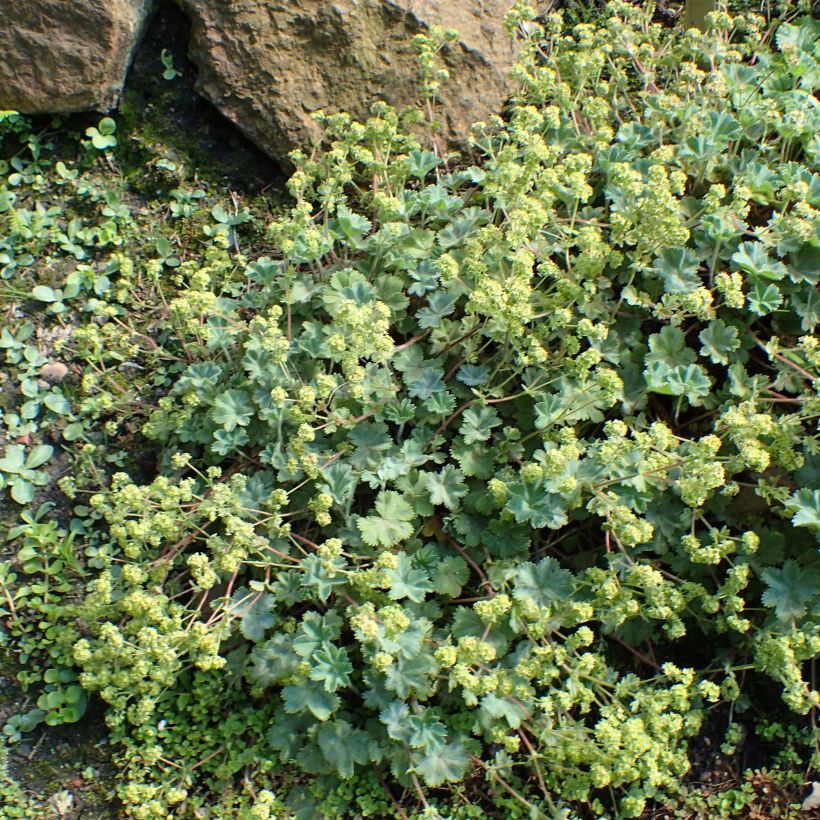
66	55
812	799
54	372
267	65
62	802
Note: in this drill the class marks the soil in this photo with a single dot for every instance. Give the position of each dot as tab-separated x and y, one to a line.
67	768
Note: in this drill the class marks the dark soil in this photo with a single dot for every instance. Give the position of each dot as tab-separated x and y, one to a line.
67	768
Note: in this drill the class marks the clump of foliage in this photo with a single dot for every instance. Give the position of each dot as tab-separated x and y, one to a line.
474	477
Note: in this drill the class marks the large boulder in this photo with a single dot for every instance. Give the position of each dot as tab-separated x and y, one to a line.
66	55
267	65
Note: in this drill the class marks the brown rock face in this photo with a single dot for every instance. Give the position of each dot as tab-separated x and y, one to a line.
268	64
66	55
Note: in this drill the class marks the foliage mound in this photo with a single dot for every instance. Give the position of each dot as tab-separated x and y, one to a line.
480	484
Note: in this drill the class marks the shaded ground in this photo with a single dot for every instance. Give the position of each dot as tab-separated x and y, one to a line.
65	769
169	117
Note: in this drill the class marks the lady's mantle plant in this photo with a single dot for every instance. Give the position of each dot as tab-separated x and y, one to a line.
501	471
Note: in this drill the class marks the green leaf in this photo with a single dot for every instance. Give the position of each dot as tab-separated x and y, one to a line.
349	225
426	382
406	581
257	617
753	259
7	199
285	734
443	764
30	409
530	501
801	37
440	404
45	294
107	126
450	576
406	644
22	491
719	341
38	456
548	410
57	403
425	278
678	268
401	412
390	290
272	661
331	667
461	227
321	577
167	60
339	482
369	439
446	488
417	243
231	409
391	524
408	676
807	307
477	423
691	382
315	631
543	583
226	442
426	731
310	697
102	136
762	180
805	504
501	707
73	431
420	163
221	214
14	460
395	718
476	462
473	375
790	589
506	539
721	128
439	305
764	299
656	376
343	747
669	347
805	266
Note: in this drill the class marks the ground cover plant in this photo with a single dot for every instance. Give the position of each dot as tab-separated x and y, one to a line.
462	486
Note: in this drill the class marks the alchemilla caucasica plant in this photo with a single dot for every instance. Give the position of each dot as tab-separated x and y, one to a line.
483	481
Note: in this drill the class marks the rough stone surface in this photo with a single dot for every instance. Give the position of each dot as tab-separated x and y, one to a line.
268	64
66	55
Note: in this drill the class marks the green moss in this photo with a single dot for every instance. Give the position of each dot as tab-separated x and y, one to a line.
168	122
